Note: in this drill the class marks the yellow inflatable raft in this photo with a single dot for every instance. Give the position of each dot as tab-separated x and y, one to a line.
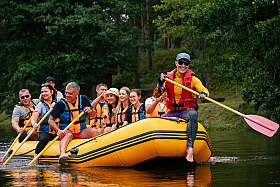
137	143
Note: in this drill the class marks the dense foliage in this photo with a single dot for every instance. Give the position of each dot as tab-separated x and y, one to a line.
233	43
238	40
70	40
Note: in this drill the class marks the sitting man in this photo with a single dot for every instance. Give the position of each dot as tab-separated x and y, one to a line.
182	103
22	113
67	110
98	104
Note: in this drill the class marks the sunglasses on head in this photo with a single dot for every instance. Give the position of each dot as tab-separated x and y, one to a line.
182	62
45	84
24	96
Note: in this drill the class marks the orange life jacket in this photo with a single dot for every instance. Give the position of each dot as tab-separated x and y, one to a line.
186	101
157	111
95	122
22	122
109	117
137	113
121	115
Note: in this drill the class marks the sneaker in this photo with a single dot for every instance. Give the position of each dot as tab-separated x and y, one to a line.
63	158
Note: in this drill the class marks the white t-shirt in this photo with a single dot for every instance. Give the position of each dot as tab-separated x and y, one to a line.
149	101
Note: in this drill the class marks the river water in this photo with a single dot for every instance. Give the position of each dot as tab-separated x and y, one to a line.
239	158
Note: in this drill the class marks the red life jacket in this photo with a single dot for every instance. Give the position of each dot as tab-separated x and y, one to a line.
186	101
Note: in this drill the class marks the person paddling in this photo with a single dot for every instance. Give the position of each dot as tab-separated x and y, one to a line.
47	101
182	103
22	113
67	109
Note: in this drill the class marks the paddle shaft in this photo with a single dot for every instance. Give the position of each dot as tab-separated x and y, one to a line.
56	138
31	132
207	98
221	105
16	139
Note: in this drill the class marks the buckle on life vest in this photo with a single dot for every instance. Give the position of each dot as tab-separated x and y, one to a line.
177	106
161	113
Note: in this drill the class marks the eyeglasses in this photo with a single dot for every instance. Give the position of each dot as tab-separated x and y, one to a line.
182	62
24	96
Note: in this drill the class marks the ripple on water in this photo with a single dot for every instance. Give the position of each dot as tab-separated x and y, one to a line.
223	159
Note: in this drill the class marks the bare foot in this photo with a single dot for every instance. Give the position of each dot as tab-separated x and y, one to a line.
189	156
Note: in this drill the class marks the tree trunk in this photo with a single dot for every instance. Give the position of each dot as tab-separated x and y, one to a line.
150	36
135	55
177	42
142	25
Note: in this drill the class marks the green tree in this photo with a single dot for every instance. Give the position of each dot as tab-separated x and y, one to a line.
71	40
251	30
240	41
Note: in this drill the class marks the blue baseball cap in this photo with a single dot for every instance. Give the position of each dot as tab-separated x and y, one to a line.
183	55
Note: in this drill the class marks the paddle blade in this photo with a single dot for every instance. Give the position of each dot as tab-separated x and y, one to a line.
261	124
2	159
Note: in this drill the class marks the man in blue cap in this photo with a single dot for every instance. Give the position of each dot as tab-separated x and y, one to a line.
180	102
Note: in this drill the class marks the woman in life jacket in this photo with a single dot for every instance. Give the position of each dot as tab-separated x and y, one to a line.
155	107
112	96
47	101
136	111
122	106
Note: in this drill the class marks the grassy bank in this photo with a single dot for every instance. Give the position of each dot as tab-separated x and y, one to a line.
211	115
214	117
5	120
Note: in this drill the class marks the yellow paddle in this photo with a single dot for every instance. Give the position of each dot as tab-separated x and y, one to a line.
258	123
55	139
3	158
14	152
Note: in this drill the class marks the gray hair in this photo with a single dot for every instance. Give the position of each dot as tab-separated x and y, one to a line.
74	85
101	84
23	90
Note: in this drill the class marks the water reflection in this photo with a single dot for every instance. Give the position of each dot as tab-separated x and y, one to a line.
239	159
103	176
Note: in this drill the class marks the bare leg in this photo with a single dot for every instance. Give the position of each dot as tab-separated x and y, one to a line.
36	161
189	156
89	133
65	141
107	129
192	126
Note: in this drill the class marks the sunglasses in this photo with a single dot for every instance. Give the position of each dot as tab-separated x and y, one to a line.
46	84
24	96
182	62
